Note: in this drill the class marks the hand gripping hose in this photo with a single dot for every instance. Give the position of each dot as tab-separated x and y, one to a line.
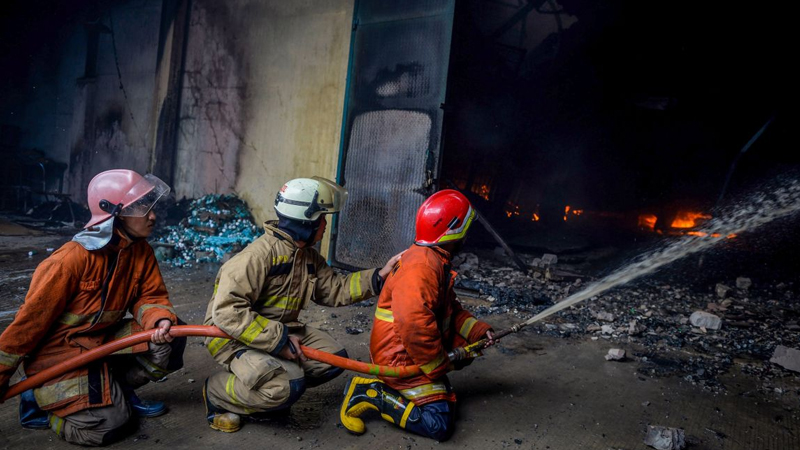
197	330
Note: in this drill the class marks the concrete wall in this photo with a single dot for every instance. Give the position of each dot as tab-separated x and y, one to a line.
261	99
262	96
112	127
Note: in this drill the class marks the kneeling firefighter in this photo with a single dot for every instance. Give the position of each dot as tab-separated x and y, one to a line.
418	320
76	302
258	296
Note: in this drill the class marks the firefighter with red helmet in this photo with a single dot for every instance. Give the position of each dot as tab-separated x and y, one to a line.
418	320
76	302
258	297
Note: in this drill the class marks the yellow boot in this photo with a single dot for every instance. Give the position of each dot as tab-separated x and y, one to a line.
362	394
218	418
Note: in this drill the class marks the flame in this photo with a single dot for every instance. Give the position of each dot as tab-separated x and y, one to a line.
648	221
688	219
566	211
513	211
482	191
535	217
577	212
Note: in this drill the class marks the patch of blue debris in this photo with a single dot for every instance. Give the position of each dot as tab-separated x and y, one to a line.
212	229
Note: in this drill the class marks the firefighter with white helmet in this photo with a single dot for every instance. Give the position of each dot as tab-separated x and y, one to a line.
258	296
77	300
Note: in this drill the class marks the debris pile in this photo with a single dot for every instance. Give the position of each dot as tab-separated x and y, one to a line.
679	328
213	228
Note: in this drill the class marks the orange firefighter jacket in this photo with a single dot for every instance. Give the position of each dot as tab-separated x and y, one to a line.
76	302
418	320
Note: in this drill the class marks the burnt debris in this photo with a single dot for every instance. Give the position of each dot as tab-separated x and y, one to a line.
672	323
209	229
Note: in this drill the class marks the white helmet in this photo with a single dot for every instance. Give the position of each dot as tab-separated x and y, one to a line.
305	199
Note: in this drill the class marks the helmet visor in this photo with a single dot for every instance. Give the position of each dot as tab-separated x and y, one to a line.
331	196
143	195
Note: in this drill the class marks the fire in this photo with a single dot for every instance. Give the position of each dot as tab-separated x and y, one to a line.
535	217
576	212
688	219
513	211
648	221
482	191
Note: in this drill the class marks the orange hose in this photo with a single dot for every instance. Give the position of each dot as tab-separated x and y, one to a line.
196	330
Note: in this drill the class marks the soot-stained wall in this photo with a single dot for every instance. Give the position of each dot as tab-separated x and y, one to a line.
262	97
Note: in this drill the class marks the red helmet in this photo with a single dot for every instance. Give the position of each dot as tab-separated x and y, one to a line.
123	192
444	217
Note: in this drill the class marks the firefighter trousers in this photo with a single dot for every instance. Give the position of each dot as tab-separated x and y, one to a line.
103	425
257	382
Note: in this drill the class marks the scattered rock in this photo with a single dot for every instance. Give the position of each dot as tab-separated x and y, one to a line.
604	316
743	283
788	358
634	329
549	259
615	354
664	438
705	320
722	290
352	330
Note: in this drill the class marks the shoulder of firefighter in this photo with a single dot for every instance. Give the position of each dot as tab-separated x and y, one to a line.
419	318
262	289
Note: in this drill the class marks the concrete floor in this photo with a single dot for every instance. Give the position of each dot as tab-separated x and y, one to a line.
530	392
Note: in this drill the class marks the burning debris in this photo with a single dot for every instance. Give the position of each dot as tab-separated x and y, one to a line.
212	229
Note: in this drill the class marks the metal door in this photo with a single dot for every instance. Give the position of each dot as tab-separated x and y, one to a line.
391	137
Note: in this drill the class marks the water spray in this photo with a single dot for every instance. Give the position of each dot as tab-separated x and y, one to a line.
762	209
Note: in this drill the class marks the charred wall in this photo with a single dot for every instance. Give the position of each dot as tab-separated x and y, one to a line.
259	101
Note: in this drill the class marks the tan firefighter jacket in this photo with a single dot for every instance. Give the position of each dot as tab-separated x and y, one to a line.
259	293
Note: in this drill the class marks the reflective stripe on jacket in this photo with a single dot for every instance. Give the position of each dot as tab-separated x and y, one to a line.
418	320
64	315
266	286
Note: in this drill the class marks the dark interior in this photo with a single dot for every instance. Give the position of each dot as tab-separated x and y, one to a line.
636	110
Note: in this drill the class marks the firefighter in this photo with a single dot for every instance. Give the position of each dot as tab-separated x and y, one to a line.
418	320
77	300
258	296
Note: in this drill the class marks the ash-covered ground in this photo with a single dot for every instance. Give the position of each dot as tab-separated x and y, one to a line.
750	283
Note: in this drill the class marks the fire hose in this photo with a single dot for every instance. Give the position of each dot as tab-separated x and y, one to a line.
470	351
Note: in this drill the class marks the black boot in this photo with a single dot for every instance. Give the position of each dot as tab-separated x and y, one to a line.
362	394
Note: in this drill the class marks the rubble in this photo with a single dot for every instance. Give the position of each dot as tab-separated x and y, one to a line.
664	438
211	229
722	290
786	357
652	315
615	354
743	283
705	320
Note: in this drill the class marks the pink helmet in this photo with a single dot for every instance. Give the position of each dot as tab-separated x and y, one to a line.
122	192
